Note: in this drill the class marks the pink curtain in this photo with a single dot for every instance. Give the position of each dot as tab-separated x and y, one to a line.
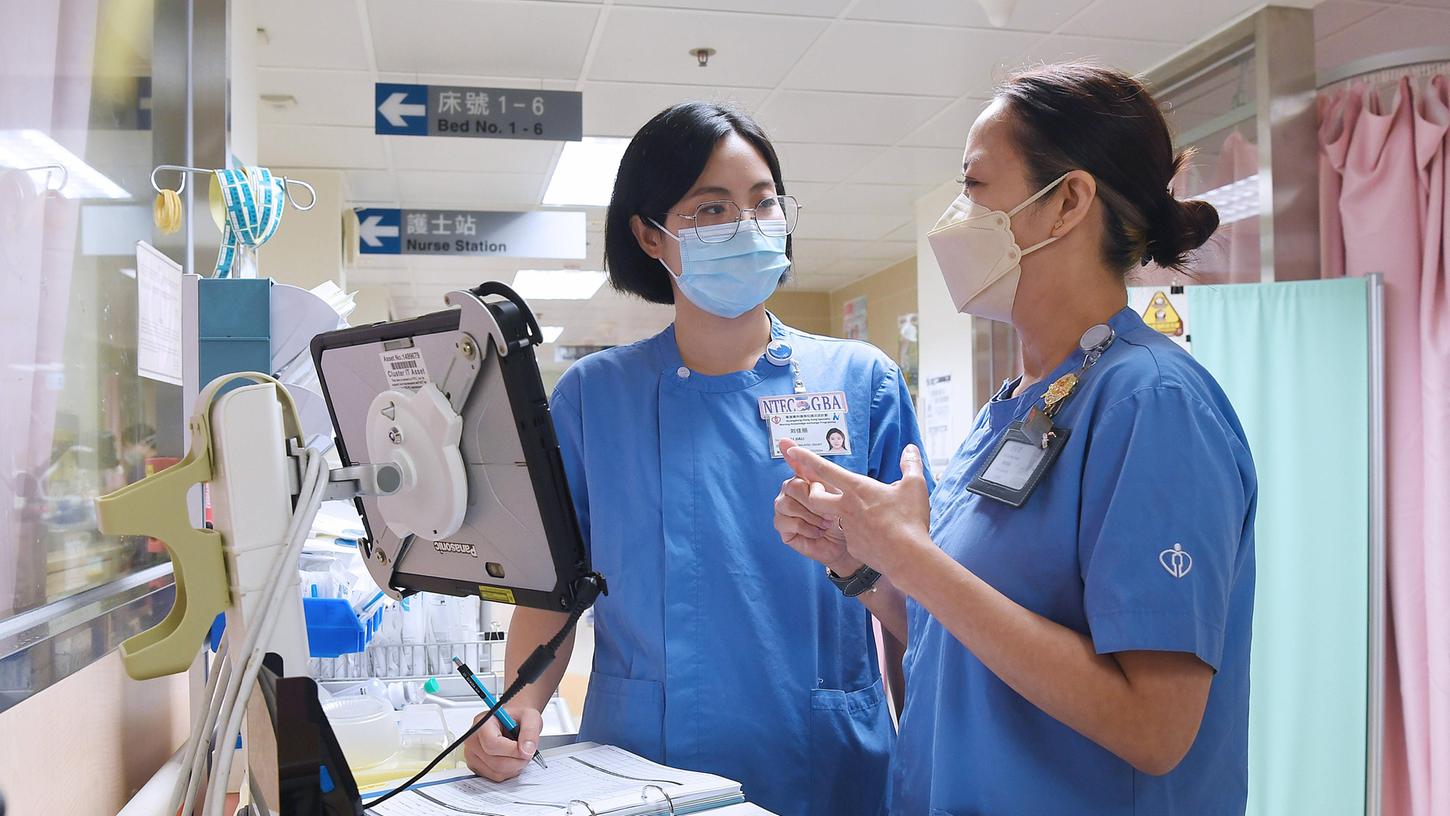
1383	205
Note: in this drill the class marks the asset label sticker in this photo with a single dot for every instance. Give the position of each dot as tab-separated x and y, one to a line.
816	422
405	369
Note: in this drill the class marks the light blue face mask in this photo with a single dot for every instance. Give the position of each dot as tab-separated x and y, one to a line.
730	278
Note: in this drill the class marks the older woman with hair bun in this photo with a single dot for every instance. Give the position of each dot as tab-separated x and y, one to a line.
1077	593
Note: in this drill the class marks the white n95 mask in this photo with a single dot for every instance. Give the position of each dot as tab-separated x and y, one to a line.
979	256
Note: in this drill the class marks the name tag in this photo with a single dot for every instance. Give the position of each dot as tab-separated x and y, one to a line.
816	422
1020	460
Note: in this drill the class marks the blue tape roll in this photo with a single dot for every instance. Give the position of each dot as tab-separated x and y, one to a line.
253	200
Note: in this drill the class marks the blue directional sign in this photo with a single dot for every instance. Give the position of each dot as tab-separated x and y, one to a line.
549	234
477	113
400	109
380	231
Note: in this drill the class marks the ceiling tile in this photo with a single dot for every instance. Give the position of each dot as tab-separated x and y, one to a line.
845	118
1436	4
850	271
912	165
816	162
881	199
482	37
323	97
753	50
1029	15
851	225
1336	15
471	155
292	40
479	191
811	194
621	108
345	148
804	281
1126	55
1156	20
810	250
805	8
906	233
908	59
948	128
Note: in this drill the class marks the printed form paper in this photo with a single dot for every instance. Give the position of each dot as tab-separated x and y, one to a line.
158	315
609	779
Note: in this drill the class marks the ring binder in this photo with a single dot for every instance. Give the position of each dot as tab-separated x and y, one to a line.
583	779
644	795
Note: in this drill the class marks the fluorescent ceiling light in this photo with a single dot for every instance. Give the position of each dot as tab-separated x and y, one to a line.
584	176
551	333
31	148
557	284
1234	201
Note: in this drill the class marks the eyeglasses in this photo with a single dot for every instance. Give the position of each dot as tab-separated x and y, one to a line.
774	216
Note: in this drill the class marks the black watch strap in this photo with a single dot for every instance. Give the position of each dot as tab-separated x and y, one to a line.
857	583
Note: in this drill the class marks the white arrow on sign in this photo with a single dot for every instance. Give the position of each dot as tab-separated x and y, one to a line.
371	229
393	109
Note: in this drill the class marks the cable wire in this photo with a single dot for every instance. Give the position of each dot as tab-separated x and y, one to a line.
541	658
314	485
206	708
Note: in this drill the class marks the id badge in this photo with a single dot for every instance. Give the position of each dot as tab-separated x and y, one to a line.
1020	460
816	422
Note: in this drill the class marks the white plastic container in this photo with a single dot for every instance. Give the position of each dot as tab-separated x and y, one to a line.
366	728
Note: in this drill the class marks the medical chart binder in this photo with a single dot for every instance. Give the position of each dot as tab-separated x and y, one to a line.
582	780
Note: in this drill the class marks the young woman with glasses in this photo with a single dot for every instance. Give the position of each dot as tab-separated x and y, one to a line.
717	649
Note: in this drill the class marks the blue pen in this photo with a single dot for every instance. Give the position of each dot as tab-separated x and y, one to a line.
510	727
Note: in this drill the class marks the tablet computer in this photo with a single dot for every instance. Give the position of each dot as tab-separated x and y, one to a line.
519	539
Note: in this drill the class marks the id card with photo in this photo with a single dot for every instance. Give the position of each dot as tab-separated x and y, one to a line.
1020	459
816	422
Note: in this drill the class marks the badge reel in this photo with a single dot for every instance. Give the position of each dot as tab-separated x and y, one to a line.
1031	444
814	420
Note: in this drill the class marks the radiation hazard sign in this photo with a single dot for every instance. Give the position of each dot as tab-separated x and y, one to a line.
1165	310
1161	316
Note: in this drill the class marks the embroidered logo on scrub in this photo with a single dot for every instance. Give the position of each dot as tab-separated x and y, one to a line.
1177	561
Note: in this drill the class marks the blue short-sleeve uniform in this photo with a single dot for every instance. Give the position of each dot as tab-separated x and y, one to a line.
1140	537
719	648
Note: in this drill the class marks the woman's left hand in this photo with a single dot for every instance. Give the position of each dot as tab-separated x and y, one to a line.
886	525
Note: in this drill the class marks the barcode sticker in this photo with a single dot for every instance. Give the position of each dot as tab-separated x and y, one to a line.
405	369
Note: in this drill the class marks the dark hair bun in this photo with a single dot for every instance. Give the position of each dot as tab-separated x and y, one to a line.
1177	229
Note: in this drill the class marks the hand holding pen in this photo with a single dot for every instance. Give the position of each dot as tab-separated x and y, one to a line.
499	754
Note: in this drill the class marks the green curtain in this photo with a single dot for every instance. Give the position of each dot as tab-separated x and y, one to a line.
1294	360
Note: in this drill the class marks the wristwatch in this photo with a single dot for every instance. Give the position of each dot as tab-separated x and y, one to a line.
859	582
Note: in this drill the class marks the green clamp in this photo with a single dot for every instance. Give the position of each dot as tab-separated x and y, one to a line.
156	507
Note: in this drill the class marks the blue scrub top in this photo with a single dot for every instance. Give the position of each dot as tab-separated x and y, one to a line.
719	648
1156	471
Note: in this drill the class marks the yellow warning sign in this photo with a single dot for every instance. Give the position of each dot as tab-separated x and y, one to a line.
1161	315
496	594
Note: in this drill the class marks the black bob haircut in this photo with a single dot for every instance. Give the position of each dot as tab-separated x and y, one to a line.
659	167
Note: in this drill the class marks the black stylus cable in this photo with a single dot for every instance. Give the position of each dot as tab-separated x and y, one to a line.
590	587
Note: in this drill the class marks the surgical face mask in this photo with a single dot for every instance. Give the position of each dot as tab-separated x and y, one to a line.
979	256
730	278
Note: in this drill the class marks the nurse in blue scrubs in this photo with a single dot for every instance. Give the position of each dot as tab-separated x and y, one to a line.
1081	582
717	649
